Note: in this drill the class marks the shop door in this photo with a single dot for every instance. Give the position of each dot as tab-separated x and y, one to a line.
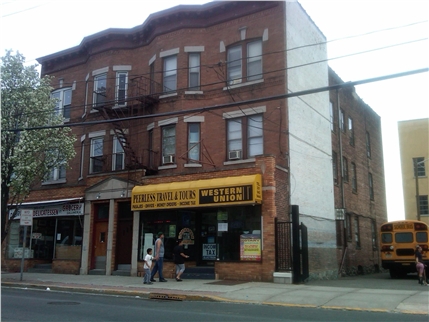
208	248
124	234
100	236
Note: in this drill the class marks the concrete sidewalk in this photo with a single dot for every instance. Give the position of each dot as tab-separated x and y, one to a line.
367	294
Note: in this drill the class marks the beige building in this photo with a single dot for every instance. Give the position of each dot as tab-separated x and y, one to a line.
413	143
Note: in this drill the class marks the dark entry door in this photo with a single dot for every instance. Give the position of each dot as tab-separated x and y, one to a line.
124	234
208	247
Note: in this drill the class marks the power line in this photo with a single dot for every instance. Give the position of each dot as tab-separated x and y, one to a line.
219	106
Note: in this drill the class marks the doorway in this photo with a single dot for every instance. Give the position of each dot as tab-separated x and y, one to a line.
99	251
124	236
207	244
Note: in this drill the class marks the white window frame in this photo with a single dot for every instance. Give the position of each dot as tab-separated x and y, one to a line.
118	153
169	75
194	72
168	148
123	100
254	60
194	145
97	143
253	70
63	98
97	92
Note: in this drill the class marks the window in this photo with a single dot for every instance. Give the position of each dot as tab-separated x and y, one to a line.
168	144
100	85
244	143
331	115
63	102
194	71
354	178
368	145
335	167
152	78
419	166
170	74
82	150
351	132
371	186
252	70
348	227
194	141
118	158
57	173
373	235
423	204
96	156
345	170
356	230
342	125
121	88
151	152
254	60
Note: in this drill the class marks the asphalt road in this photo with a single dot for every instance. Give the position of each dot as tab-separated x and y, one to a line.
34	305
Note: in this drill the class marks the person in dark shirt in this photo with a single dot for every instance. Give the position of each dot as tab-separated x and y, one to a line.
420	266
179	259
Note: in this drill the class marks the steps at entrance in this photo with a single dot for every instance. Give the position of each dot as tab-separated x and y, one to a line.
199	273
41	268
123	270
97	271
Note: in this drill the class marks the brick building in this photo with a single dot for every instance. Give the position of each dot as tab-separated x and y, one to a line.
183	126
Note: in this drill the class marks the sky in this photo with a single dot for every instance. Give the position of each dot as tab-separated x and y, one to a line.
398	29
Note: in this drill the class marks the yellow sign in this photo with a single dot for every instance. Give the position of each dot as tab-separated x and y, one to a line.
219	191
250	247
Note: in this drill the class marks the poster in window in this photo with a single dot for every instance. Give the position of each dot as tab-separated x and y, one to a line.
250	247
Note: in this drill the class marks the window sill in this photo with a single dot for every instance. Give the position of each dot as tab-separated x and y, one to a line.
239	161
168	95
243	84
169	166
60	181
193	165
194	92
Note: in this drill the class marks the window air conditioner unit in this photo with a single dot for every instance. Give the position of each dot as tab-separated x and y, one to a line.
168	159
234	155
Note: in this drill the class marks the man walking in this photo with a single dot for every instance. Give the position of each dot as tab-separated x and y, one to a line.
159	258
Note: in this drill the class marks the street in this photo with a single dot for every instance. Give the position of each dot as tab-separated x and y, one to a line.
42	305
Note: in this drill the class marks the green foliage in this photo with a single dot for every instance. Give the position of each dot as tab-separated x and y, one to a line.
27	156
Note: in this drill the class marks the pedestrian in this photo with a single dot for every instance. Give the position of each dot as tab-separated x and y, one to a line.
420	266
179	259
147	266
159	258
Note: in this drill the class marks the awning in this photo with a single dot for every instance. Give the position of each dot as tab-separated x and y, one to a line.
51	208
200	193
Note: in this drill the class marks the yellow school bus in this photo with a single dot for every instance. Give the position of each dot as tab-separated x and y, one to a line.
399	240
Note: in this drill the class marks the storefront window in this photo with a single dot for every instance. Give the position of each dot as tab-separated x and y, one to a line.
209	234
69	239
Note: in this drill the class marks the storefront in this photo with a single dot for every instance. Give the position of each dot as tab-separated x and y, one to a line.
55	235
218	219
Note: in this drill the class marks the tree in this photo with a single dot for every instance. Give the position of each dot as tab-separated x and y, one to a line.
27	156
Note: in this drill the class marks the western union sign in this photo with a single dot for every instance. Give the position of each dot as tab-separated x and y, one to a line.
211	192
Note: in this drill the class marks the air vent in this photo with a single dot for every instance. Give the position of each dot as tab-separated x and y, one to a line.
234	155
168	159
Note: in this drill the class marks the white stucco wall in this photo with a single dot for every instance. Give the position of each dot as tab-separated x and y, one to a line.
309	123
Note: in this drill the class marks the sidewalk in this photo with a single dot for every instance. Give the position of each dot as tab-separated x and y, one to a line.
345	294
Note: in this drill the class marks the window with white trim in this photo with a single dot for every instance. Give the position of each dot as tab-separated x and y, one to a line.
252	69
170	74
194	141
57	173
351	132
194	71
168	144
245	137
118	156
121	88
342	120
354	177
63	102
100	89
96	155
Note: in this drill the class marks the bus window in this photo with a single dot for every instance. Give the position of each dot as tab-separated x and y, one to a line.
386	238
404	237
422	237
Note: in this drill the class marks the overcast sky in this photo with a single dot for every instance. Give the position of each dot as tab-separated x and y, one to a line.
38	28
